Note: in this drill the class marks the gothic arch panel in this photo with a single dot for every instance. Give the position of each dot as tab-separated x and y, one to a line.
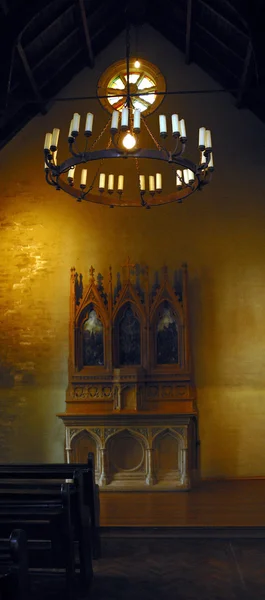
127	457
82	444
128	336
167	455
166	337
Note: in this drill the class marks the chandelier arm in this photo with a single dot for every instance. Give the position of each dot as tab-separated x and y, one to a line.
181	151
78	153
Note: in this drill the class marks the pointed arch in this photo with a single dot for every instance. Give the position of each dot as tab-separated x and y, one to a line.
128	335
83	442
166	335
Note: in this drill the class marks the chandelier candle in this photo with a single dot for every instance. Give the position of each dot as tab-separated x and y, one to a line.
202	138
102	180
89	124
175	125
208	140
120	184
142	183
163	126
124	118
110	183
71	174
179	178
158	182
83	178
55	138
115	122
182	130
151	184
136	121
76	124
70	135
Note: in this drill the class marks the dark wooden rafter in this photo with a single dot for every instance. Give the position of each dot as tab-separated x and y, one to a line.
188	31
245	75
90	53
221	17
4	5
30	77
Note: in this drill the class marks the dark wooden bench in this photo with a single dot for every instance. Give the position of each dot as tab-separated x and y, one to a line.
53	514
14	580
49	528
46	479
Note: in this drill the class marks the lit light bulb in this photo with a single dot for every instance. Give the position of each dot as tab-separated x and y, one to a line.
137	64
129	141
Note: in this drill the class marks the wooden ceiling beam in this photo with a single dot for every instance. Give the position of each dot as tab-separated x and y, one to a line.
245	76
222	18
90	53
190	8
30	77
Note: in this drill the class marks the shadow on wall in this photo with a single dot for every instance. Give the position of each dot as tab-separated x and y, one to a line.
219	451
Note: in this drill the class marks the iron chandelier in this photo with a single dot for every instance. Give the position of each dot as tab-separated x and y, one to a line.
124	129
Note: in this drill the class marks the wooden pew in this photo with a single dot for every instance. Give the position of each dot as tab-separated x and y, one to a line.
49	529
14	580
48	477
53	518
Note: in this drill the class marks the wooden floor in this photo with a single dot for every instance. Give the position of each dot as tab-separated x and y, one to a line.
212	504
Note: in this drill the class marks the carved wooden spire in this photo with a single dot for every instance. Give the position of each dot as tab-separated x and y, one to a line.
91	274
110	300
127	268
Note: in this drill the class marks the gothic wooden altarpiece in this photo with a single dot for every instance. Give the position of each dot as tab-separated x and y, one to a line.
130	396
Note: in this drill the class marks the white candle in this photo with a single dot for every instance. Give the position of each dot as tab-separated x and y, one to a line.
162	125
83	178
124	118
191	176
54	156
55	138
102	179
89	124
114	121
203	158
186	176
48	141
208	139
120	183
202	138
136	120
76	124
70	130
110	183
142	183
71	174
182	129
211	165
175	125
158	182
179	179
151	183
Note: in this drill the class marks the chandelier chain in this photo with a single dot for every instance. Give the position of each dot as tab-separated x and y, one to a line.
100	135
159	147
98	170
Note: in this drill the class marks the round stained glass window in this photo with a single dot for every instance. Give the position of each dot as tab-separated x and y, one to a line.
145	80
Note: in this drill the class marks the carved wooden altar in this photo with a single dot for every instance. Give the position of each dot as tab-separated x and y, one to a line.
130	397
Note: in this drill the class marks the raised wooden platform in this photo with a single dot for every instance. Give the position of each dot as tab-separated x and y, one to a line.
218	504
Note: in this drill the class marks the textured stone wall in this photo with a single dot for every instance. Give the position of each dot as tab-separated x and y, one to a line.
219	233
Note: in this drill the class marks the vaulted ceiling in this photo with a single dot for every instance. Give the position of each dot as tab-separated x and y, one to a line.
44	44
